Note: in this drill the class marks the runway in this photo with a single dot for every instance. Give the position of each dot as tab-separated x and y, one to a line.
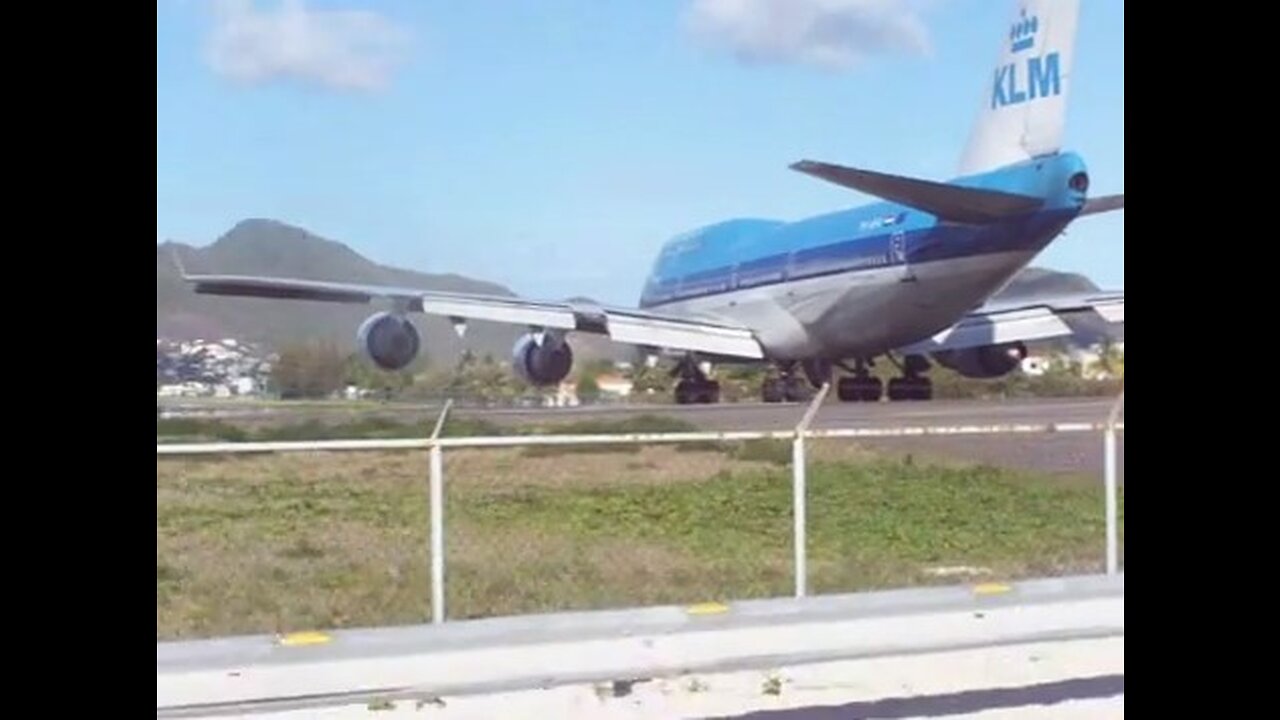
725	416
762	416
1070	453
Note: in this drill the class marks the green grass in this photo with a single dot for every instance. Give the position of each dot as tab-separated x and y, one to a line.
870	525
271	544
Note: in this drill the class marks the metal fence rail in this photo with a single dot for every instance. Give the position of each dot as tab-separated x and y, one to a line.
435	445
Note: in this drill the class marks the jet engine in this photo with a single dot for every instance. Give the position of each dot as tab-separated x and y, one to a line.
390	341
542	365
989	361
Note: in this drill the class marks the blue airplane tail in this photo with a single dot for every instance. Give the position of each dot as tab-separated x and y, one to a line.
1022	118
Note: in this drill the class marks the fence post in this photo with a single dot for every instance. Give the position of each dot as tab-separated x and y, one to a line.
444	415
799	491
436	492
1113	544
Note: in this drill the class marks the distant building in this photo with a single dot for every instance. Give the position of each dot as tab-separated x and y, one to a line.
186	389
353	392
230	364
614	385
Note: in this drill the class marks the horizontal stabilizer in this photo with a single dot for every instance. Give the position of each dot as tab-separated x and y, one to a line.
952	203
1107	203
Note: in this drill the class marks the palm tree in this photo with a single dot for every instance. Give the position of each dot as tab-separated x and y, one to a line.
1110	362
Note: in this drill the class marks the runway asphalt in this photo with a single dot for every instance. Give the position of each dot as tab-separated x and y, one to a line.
1074	453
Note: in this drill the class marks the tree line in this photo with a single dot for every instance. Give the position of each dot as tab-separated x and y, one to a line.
319	369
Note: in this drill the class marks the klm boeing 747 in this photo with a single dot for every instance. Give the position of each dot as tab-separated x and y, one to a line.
909	278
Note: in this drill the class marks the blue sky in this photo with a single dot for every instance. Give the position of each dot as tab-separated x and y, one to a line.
553	146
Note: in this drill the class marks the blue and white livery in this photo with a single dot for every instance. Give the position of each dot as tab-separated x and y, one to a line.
909	278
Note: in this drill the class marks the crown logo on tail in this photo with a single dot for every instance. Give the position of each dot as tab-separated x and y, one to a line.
1022	36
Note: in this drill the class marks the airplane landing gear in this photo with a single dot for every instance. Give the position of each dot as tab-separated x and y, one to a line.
818	372
912	385
910	388
694	386
785	387
862	387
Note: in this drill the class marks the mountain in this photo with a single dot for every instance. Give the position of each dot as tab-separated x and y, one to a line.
1039	281
269	247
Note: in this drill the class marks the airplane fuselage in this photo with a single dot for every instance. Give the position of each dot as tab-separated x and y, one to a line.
861	282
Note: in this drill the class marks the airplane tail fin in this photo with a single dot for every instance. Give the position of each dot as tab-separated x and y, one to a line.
1024	104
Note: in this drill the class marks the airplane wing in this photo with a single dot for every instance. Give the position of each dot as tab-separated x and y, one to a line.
624	325
1086	315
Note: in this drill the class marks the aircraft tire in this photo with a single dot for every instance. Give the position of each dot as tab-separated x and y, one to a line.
855	389
771	390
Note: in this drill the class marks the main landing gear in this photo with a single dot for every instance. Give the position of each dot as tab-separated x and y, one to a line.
694	386
787	386
862	386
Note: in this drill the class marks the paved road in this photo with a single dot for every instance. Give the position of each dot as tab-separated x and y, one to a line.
1097	696
930	652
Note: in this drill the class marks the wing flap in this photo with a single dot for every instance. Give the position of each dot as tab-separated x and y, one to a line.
640	329
513	312
947	202
1112	312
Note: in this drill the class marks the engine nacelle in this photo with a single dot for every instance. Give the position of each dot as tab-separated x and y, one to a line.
989	361
390	341
541	365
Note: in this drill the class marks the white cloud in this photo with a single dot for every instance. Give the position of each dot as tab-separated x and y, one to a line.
833	34
341	49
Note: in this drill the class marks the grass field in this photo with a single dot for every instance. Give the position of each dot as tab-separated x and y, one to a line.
279	543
